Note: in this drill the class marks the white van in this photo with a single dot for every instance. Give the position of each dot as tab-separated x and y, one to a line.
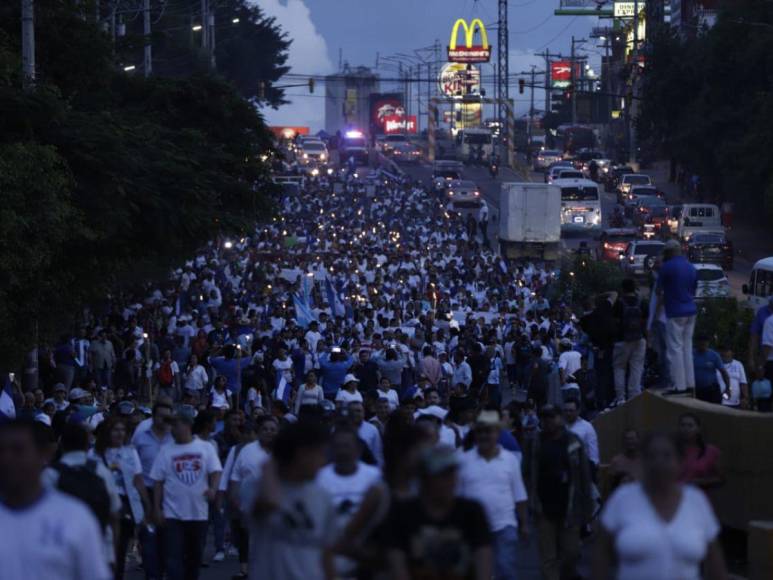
760	285
580	204
703	218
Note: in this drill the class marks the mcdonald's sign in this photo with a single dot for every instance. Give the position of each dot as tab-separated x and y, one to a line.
470	51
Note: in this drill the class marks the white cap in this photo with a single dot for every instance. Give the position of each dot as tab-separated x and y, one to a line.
350	378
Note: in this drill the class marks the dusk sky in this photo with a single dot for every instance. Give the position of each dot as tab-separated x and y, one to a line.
361	29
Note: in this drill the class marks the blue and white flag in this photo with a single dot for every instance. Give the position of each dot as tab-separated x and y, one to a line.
7	406
337	307
307	284
283	389
303	313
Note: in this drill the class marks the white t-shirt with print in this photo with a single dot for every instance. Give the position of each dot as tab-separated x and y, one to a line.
184	469
53	539
648	547
737	376
346	397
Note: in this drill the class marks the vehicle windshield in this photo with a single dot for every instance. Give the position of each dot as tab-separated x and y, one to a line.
644	191
447	174
477	138
710	275
648	249
356	142
659	211
315	147
396	138
708	239
651	202
550	153
570	174
636	179
579	194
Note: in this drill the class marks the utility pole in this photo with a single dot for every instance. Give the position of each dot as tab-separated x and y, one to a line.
531	107
547	81
204	24
503	68
28	43
573	88
211	45
147	65
634	79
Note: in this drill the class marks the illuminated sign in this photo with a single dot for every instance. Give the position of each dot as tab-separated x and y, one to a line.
627	9
456	79
382	105
470	52
561	73
399	124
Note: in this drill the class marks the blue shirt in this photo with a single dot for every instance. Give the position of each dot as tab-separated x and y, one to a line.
148	446
678	280
706	366
760	317
333	373
231	370
507	441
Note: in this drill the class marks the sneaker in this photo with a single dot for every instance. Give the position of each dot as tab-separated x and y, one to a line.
219	556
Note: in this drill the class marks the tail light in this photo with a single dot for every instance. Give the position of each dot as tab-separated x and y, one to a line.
477	193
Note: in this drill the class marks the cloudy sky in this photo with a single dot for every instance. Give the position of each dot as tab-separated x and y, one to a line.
364	30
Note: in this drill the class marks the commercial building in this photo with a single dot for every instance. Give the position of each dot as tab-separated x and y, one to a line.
347	98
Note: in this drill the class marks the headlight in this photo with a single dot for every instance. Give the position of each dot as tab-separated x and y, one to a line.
322	156
305	155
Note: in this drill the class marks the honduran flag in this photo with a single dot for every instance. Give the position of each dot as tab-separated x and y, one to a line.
7	406
283	389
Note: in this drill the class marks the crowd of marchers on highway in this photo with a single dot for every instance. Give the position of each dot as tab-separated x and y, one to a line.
364	387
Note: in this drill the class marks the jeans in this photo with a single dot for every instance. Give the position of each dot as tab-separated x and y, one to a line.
505	552
628	356
679	348
559	549
184	546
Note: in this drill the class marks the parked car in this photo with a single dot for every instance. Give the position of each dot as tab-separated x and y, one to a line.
614	242
712	282
640	256
710	249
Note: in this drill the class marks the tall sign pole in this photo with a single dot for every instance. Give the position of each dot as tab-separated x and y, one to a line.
503	69
28	43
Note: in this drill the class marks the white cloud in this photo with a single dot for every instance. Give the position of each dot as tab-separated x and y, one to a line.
308	54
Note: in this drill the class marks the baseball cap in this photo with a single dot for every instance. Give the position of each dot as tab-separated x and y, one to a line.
433	411
77	394
126	408
59	387
350	378
489	419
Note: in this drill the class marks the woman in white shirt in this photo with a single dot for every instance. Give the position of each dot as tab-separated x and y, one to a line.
348	393
310	393
658	527
122	460
196	377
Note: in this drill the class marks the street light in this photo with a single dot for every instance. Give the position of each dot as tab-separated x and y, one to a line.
196	28
235	21
129	68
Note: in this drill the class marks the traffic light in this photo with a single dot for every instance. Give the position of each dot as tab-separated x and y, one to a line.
521	85
311	85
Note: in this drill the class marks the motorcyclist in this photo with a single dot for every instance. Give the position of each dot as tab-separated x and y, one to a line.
593	169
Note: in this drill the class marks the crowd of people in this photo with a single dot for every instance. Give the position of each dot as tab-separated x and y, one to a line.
360	389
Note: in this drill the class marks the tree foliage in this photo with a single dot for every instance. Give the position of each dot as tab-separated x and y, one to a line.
104	176
707	102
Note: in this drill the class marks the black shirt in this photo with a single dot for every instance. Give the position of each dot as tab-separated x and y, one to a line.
438	549
553	477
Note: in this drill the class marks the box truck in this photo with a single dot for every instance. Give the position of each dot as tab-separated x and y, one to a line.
530	221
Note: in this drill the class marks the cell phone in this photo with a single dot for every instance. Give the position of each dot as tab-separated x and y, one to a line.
335	349
12	377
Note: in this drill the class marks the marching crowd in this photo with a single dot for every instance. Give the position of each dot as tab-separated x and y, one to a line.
359	389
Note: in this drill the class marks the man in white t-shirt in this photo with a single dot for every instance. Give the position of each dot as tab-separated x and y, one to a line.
584	430
46	534
491	475
186	474
313	336
569	362
347	480
368	432
736	394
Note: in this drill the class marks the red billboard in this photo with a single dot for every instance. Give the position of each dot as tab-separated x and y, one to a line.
399	124
383	105
561	73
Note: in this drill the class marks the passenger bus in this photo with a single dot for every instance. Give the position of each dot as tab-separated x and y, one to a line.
580	204
472	142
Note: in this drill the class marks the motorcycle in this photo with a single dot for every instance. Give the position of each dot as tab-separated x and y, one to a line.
494	170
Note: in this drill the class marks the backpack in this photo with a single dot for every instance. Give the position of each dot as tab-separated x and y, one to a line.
84	483
631	320
165	374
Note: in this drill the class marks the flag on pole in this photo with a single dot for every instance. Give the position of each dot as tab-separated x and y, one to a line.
7	406
307	284
303	313
283	389
337	307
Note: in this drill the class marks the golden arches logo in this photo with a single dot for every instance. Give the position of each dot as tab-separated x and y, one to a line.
469	33
470	52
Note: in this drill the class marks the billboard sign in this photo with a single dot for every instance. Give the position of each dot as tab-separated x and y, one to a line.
456	79
601	8
469	51
399	124
560	73
626	9
382	106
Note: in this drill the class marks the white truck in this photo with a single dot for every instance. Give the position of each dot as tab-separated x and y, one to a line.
530	221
